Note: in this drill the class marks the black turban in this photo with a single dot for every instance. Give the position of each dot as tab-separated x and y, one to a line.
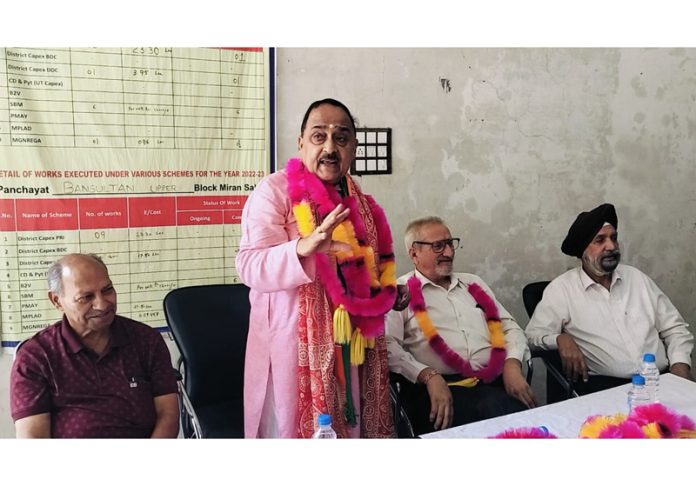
585	227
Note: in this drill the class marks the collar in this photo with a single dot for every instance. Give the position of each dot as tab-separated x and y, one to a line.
454	280
587	281
74	343
72	340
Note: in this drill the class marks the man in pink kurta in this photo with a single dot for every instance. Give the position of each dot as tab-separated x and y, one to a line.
268	263
292	371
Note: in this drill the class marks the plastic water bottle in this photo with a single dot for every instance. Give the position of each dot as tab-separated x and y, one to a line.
649	371
637	394
325	431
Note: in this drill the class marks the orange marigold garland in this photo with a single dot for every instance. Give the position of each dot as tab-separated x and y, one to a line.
495	329
366	288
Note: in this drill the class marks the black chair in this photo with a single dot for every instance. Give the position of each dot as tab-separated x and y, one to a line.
16	349
210	325
558	387
402	423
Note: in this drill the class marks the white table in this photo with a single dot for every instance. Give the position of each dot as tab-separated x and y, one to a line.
564	419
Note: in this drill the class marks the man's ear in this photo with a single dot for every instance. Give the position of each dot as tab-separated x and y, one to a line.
55	300
412	254
299	142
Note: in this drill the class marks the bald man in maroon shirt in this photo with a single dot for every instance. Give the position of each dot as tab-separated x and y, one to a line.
94	373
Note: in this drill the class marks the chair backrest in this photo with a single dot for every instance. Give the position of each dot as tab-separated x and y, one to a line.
210	325
16	349
531	295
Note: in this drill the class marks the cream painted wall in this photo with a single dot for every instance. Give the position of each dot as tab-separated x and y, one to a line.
522	142
6	425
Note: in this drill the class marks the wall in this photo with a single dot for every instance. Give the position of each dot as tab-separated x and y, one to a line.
6	425
509	145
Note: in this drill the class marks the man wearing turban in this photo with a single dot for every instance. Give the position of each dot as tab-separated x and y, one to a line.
603	316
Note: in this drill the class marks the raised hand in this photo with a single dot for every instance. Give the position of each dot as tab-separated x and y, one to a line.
320	239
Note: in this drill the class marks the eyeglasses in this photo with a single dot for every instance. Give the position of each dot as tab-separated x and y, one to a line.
439	246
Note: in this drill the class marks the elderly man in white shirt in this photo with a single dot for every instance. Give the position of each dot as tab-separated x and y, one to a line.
603	316
455	342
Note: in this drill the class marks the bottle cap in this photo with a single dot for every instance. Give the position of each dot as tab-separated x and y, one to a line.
638	380
324	419
649	357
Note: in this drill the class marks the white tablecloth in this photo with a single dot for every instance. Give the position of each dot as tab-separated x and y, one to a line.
564	419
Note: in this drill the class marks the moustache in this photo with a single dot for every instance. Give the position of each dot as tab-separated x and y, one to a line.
611	254
329	158
444	260
107	312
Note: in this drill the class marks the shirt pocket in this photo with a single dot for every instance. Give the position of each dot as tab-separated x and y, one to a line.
139	399
139	383
640	329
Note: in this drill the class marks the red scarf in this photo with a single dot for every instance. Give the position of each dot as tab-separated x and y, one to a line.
320	389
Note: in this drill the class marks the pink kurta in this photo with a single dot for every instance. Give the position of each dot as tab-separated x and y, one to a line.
268	263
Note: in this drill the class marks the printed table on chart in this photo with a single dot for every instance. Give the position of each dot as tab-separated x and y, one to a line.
170	242
133	98
144	156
